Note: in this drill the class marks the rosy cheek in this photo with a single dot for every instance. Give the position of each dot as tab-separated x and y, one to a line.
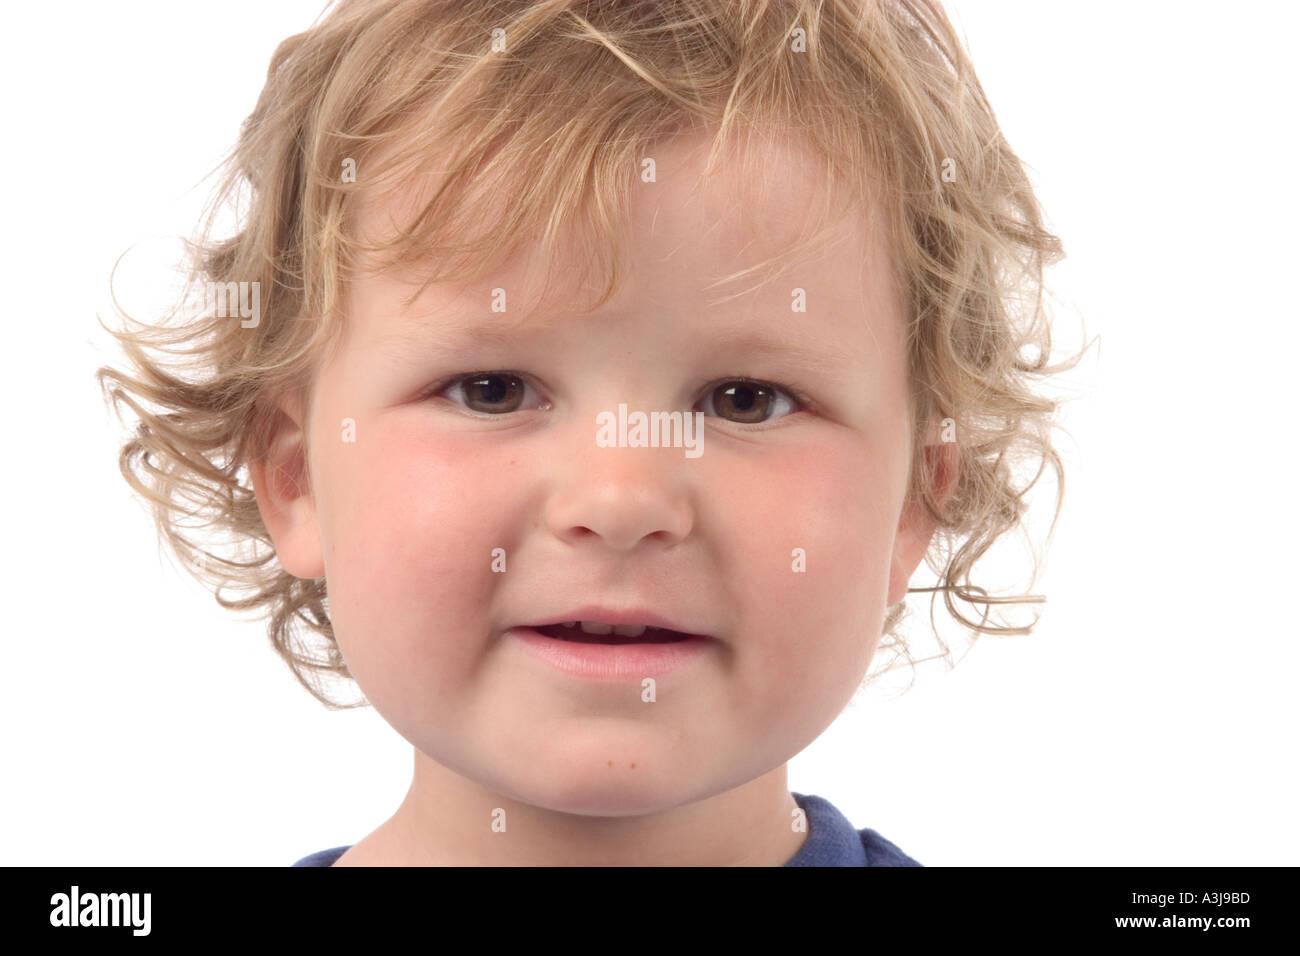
417	517
836	513
825	498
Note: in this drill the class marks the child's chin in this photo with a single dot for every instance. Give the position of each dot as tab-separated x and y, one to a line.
609	797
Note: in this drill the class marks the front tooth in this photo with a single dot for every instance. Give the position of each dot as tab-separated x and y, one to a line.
595	627
630	630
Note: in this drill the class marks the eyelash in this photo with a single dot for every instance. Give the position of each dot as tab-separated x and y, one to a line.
800	399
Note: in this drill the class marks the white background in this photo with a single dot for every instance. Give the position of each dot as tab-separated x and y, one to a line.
1150	718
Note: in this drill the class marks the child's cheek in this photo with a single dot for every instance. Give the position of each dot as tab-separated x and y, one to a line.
809	564
412	518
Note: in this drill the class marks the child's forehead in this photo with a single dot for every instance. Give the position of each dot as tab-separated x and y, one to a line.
749	204
680	271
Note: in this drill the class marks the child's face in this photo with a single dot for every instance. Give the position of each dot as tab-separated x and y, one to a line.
404	520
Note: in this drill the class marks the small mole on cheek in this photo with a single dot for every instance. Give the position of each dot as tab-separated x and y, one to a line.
611	763
631	766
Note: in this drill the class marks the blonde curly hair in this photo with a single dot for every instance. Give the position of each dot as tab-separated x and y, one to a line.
882	90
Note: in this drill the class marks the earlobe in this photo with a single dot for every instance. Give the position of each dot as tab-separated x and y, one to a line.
282	487
916	525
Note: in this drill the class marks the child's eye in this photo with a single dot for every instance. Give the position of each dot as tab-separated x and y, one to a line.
751	402
489	393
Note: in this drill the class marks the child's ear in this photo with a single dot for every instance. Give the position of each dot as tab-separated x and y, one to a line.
916	526
283	492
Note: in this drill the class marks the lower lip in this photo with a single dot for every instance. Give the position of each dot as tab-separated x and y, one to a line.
610	661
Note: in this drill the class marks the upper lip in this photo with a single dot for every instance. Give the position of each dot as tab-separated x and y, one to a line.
625	617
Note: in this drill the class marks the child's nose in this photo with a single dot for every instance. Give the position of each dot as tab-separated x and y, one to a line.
623	495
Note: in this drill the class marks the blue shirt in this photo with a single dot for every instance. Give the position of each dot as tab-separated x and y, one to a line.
832	841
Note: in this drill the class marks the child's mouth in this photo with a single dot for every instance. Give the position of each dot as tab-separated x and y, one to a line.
652	635
634	655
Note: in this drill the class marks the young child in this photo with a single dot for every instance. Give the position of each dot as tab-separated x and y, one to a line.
465	380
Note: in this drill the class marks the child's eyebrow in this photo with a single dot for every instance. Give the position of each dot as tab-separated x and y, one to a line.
814	355
739	342
408	339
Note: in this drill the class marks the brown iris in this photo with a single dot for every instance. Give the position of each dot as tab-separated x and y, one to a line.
492	389
750	401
